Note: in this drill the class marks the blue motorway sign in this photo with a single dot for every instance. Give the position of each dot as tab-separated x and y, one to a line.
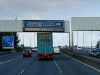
8	41
43	23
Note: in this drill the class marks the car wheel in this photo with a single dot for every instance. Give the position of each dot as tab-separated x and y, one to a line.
30	55
99	56
23	56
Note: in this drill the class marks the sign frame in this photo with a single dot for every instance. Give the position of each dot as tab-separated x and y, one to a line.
43	25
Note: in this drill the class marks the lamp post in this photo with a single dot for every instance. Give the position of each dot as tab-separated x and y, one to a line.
23	40
77	38
91	39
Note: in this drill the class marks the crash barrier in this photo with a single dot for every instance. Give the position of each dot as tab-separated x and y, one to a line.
95	62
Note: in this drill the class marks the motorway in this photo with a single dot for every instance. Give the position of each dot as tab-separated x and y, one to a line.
15	64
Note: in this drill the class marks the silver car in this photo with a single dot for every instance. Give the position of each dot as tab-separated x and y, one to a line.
94	52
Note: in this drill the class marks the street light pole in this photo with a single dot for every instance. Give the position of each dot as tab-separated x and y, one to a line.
34	39
83	38
77	38
23	40
91	39
30	40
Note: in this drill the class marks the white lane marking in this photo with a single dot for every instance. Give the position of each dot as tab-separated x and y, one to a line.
25	67
6	61
57	66
82	63
22	71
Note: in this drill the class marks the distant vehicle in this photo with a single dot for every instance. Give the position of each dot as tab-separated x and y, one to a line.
34	49
27	53
65	48
45	45
56	50
95	52
79	48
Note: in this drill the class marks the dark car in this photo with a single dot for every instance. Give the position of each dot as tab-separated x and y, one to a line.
27	53
95	52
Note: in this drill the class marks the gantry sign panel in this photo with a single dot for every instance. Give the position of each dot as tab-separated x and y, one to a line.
85	23
43	25
34	25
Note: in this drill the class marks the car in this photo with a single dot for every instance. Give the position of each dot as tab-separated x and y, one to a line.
79	48
95	52
56	50
27	53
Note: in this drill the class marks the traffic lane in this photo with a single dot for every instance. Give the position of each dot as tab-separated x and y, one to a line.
42	67
68	66
9	56
16	66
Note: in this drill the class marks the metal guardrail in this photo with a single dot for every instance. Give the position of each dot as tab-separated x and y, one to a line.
90	58
83	56
95	62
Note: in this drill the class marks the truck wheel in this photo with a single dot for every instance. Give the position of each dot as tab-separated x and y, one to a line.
39	59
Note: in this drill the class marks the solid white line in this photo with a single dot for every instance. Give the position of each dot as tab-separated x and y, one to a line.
22	71
82	63
6	61
57	66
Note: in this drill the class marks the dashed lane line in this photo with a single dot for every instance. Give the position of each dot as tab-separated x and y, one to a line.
22	71
58	67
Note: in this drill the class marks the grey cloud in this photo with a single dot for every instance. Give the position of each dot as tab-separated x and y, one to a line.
37	5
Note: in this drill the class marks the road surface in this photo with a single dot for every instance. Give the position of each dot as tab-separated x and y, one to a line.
15	64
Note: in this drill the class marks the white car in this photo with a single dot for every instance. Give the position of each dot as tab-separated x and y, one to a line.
56	50
34	50
79	48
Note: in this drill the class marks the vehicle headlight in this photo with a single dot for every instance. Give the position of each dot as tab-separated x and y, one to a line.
92	53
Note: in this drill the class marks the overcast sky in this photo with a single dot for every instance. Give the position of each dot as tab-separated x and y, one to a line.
48	9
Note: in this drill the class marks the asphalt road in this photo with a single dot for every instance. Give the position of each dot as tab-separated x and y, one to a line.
15	64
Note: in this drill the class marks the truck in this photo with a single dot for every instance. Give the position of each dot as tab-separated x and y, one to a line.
45	45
